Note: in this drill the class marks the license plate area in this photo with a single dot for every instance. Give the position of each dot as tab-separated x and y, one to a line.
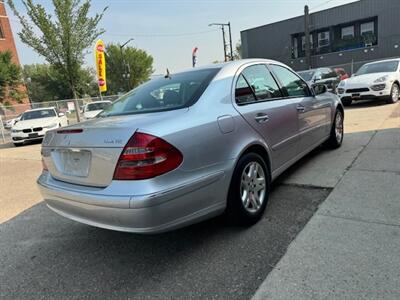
33	135
75	162
357	95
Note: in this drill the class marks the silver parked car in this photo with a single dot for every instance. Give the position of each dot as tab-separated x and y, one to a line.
184	148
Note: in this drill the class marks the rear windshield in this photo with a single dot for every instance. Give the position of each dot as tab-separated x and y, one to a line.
97	106
166	93
387	66
37	114
306	75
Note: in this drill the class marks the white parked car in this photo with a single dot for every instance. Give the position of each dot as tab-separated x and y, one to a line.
376	80
35	123
92	109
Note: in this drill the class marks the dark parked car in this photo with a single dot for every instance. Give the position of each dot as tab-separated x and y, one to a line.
325	76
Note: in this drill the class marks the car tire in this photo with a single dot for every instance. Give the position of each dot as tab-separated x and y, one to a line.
18	144
394	93
249	190
347	102
337	131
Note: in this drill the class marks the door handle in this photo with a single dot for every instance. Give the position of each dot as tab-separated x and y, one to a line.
261	118
300	108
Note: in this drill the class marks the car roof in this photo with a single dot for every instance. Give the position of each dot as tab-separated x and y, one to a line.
383	60
100	101
232	66
41	108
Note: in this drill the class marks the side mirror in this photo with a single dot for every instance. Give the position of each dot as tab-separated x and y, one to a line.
319	89
61	114
317	78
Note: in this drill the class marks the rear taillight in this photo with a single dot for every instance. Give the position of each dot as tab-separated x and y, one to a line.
146	156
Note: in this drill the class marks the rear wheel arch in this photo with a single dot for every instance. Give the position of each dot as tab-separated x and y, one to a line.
260	150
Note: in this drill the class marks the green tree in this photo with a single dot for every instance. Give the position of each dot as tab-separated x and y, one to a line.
63	38
130	60
237	53
10	80
45	83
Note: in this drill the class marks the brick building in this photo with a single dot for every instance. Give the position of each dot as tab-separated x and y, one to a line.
7	43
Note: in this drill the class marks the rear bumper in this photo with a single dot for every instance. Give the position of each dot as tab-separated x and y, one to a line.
151	213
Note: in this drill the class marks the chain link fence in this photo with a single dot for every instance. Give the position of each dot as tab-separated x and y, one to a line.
9	113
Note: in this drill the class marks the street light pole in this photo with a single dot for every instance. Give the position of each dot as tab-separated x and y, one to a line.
125	73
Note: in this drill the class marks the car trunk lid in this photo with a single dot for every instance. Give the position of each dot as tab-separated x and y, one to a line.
87	153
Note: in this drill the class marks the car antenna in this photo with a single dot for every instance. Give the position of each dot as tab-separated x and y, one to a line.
167	75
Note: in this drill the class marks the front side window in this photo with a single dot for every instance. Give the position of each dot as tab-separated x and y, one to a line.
306	75
166	93
323	39
259	81
37	114
348	32
293	84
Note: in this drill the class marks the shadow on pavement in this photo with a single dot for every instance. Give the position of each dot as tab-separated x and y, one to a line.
43	255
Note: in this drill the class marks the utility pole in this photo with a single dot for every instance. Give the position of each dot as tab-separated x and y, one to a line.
307	36
223	38
230	39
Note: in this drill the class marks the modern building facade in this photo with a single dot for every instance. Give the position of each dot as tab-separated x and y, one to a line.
345	36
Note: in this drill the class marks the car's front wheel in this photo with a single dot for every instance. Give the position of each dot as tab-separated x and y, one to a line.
249	190
394	93
18	144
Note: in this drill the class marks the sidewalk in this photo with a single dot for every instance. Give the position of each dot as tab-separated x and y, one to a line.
350	249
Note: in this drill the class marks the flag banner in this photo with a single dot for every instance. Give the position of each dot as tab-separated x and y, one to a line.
101	65
194	56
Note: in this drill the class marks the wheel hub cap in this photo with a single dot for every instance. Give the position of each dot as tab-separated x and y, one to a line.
339	126
253	187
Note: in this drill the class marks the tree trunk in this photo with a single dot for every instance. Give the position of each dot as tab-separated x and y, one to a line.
76	104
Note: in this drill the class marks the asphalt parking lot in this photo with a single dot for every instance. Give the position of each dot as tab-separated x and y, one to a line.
43	255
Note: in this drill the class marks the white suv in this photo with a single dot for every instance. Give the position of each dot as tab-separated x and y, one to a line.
376	80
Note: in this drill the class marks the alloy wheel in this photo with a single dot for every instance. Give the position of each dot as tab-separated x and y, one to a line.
339	127
253	187
395	93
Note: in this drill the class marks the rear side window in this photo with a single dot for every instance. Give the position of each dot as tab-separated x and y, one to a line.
166	93
256	84
291	83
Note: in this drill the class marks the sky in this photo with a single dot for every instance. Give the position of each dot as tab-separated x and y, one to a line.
170	29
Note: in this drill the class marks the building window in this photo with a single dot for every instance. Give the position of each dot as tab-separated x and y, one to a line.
348	32
1	32
303	42
323	39
367	28
295	48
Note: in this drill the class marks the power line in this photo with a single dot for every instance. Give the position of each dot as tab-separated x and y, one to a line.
322	4
159	34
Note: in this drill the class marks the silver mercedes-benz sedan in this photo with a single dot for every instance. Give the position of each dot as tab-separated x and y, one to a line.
188	146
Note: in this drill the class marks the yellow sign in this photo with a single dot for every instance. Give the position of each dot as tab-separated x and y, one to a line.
101	65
